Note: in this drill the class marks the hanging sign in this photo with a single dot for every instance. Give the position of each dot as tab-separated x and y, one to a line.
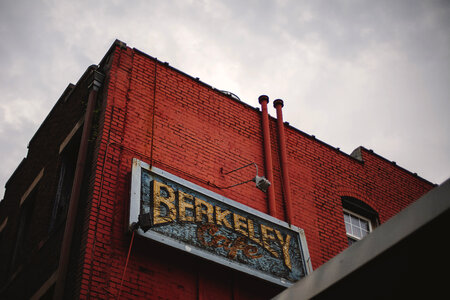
186	216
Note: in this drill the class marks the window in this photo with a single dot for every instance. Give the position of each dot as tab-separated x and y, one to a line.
356	226
359	219
68	161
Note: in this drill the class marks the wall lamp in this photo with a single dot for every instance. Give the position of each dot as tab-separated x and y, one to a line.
261	182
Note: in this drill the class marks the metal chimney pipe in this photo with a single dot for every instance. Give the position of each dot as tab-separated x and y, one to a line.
263	100
278	104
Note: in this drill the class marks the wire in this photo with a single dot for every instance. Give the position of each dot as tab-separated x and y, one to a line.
126	265
252	163
153	114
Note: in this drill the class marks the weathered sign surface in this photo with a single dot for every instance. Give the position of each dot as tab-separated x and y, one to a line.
199	221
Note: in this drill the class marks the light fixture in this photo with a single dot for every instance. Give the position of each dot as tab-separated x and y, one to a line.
261	182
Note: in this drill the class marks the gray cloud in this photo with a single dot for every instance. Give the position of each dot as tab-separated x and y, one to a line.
372	73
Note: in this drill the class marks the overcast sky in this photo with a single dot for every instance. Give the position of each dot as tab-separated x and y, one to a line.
370	73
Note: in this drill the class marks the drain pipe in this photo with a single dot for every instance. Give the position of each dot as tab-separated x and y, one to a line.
95	82
263	100
278	104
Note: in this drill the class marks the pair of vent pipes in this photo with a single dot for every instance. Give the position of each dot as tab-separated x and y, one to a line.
278	104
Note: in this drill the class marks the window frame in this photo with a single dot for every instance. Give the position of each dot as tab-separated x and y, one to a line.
359	209
368	220
67	162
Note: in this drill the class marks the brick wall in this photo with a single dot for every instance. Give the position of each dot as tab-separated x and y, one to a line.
174	122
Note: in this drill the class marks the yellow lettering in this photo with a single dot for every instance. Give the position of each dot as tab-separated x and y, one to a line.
285	243
239	224
221	217
267	234
168	201
199	211
183	204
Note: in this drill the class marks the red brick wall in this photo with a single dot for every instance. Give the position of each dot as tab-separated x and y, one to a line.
172	121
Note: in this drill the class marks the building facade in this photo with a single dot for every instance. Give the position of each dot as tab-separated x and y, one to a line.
137	151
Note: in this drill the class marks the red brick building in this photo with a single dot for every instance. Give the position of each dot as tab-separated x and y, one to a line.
64	220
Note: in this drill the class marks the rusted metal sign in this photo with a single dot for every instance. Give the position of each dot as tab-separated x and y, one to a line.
194	219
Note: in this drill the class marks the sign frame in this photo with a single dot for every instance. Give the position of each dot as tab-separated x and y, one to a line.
135	210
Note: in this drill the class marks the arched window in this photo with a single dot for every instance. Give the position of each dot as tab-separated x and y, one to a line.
359	218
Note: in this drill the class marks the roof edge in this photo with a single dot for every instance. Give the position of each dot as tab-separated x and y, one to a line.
356	154
197	79
371	152
67	92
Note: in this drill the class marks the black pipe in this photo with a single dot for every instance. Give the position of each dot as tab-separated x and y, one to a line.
96	79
